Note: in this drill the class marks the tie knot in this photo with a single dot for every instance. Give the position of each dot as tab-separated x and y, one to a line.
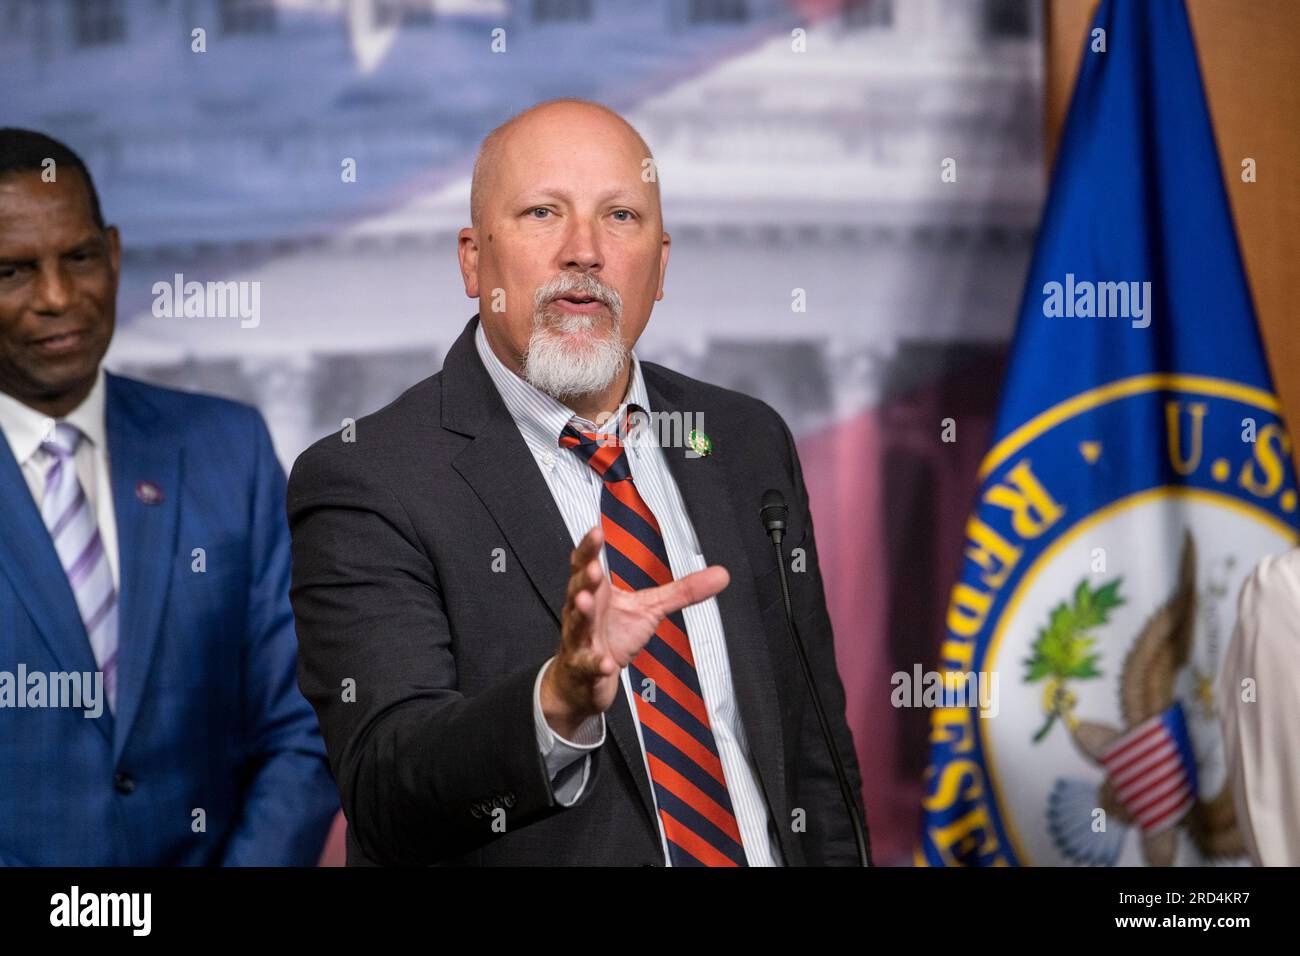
603	451
64	440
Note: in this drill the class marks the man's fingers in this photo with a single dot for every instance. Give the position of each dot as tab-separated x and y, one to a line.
582	576
588	548
586	578
580	603
695	587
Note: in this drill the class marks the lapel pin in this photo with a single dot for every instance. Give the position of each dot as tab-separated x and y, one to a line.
148	492
699	443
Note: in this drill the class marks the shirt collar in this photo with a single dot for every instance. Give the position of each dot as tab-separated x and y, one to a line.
540	417
25	427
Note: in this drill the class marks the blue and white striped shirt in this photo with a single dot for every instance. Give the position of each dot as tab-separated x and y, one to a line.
576	489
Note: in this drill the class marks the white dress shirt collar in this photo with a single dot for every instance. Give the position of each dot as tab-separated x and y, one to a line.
25	428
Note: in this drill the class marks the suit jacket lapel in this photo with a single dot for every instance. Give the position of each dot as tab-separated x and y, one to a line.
703	483
28	559
501	471
146	528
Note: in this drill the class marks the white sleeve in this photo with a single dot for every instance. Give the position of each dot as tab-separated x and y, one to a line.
568	777
1259	711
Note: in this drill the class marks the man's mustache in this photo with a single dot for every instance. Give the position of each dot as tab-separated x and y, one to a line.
582	284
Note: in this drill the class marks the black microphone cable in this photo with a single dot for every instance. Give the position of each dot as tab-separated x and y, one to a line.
773	512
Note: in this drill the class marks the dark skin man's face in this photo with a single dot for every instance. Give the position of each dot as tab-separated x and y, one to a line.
58	290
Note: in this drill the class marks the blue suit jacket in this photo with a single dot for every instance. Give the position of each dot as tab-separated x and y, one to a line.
209	716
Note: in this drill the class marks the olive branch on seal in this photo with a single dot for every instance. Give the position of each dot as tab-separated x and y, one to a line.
1064	648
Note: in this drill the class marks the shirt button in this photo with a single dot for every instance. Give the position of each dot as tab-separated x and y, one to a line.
548	460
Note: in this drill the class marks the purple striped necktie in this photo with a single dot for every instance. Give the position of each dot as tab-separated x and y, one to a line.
75	533
689	784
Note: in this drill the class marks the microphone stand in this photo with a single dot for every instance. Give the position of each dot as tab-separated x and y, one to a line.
773	513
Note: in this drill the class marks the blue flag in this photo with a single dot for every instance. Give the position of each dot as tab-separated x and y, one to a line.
1140	468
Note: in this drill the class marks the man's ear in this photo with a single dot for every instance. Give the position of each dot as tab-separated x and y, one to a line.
663	264
467	250
114	240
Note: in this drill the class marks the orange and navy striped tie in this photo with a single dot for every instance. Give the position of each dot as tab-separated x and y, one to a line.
689	785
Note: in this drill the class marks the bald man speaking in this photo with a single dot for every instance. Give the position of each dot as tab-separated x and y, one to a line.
539	620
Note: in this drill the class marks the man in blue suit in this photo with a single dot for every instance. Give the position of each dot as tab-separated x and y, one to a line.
149	710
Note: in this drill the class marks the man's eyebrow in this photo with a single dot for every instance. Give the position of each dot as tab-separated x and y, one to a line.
15	254
22	255
621	192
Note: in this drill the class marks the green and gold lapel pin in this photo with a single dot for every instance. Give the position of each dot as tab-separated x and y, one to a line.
699	443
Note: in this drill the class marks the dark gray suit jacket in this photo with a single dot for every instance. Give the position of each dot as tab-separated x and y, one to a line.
419	657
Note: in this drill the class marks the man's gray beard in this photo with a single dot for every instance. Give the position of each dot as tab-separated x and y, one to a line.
555	366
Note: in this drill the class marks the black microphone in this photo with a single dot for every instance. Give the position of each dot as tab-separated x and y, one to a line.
773	512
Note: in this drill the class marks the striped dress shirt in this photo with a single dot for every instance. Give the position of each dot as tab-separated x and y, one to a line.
25	428
576	489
